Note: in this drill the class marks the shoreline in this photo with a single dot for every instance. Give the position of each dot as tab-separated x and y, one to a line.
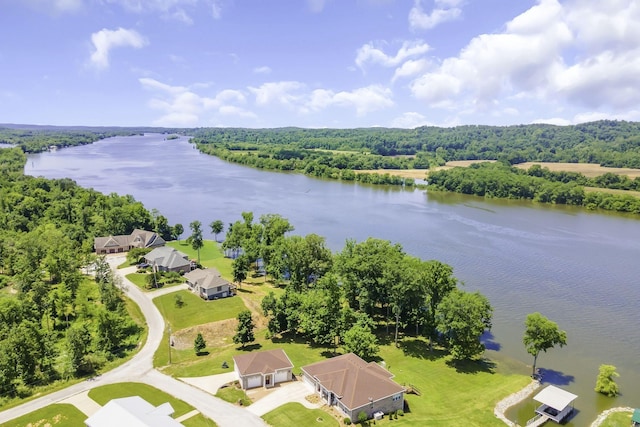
513	399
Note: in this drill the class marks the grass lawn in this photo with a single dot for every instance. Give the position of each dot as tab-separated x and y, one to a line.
61	414
294	414
210	256
233	394
156	397
195	310
140	280
198	421
617	419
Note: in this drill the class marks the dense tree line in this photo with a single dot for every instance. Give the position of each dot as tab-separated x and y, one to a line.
497	180
56	322
607	142
34	139
321	164
347	298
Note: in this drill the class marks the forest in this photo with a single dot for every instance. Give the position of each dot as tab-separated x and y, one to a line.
346	299
56	322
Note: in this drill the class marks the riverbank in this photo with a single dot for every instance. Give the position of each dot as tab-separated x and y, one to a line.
513	399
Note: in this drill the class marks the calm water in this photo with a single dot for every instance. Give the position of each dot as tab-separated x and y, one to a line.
578	268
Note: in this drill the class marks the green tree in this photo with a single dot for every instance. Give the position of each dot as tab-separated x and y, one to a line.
606	383
216	227
78	341
199	344
541	334
240	267
360	340
244	332
195	240
462	318
177	231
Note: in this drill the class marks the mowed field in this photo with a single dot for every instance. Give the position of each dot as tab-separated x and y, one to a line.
587	169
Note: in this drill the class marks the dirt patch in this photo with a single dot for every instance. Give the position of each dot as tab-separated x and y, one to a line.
216	334
403	173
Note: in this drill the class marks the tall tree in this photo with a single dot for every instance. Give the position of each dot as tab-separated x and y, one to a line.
541	334
462	318
199	344
244	332
240	267
177	231
216	228
360	340
195	240
606	383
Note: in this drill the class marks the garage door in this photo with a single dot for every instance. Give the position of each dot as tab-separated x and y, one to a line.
282	376
308	380
255	381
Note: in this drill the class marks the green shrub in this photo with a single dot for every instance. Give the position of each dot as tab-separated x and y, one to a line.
347	421
400	412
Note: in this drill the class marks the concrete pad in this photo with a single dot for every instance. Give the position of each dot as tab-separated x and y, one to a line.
294	391
188	415
211	383
84	403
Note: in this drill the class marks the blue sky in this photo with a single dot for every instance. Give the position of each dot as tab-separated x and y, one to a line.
318	63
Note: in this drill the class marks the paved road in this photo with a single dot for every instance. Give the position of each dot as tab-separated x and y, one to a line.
140	369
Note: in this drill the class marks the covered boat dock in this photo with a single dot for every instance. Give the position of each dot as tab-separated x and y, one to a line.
557	404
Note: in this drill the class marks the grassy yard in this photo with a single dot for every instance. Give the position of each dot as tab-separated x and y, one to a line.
156	397
617	419
210	256
195	310
140	280
294	415
233	395
61	414
198	421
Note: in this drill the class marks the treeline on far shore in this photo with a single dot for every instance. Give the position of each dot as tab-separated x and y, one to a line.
497	180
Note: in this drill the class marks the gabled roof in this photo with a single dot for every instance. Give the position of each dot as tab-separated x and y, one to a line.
165	256
133	411
555	397
138	239
353	381
262	362
207	278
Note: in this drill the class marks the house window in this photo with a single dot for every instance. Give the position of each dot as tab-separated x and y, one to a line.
397	397
219	288
267	380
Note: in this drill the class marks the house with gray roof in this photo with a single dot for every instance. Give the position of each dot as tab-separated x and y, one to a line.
208	283
124	243
133	411
353	386
168	259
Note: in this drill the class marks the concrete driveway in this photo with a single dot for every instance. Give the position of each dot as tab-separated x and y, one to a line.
294	391
211	383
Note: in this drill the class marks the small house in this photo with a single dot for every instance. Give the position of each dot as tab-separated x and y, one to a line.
557	404
208	283
133	411
353	386
263	368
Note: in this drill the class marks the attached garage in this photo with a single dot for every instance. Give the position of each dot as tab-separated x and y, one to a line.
263	368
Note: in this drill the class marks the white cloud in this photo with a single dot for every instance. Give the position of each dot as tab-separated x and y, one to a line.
169	9
284	93
364	100
444	10
55	6
368	53
262	70
410	69
182	106
316	6
105	40
410	120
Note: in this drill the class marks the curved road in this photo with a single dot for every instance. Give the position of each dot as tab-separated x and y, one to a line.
140	369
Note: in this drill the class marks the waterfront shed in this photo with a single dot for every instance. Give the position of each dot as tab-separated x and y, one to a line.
557	403
635	418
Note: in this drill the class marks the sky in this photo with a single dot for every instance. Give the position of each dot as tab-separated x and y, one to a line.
318	63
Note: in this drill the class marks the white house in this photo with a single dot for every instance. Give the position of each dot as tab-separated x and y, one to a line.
132	411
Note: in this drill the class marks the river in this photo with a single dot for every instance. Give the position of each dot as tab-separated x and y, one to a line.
580	269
